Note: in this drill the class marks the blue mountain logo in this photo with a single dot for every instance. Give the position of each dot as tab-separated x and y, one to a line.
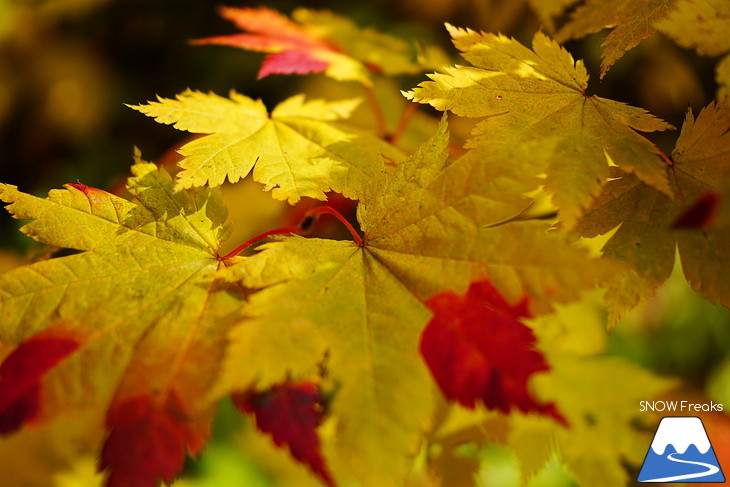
681	452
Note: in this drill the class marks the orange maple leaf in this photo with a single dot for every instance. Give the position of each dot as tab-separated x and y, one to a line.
292	50
319	42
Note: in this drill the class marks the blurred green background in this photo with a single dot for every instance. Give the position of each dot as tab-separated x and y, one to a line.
67	67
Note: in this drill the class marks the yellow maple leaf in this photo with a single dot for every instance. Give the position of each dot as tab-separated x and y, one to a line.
357	311
537	115
601	435
50	451
140	301
632	22
702	24
599	395
298	150
651	225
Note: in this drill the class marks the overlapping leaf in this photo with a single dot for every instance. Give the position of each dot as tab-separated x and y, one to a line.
358	311
538	116
292	49
648	233
147	316
584	390
702	24
298	150
136	324
291	414
334	300
147	442
22	372
582	382
632	22
478	349
315	42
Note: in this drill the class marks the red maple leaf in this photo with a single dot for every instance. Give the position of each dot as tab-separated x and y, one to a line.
290	414
477	349
148	441
292	50
20	376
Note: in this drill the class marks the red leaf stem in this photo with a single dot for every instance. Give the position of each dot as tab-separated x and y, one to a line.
304	225
667	160
248	243
331	211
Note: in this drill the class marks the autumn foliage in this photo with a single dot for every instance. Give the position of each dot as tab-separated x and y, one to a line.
147	441
478	349
438	312
291	414
22	371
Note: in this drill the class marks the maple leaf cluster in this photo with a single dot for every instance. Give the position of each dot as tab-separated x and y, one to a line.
354	355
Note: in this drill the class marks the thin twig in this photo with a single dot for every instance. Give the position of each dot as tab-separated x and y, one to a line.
380	125
405	118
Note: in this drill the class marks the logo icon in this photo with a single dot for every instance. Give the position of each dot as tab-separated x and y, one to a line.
681	452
